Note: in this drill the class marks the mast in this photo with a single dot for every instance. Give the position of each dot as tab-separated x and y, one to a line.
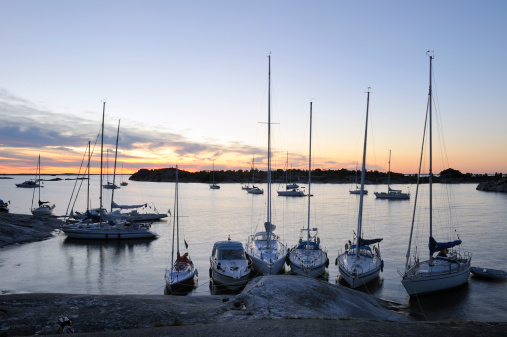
114	171
431	155
88	188
361	195
389	173
175	216
309	177
269	152
101	158
38	167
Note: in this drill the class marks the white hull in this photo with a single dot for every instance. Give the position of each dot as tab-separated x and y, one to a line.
293	193
358	272
255	191
397	196
423	278
358	192
174	278
231	282
43	210
311	263
266	261
106	232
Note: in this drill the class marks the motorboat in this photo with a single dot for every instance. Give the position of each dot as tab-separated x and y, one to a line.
4	206
32	183
228	264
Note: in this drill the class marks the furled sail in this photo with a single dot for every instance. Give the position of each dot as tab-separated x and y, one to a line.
439	246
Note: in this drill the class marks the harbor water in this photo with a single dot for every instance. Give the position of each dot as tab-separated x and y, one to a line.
59	265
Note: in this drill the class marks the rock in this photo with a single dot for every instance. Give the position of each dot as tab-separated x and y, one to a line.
499	185
21	228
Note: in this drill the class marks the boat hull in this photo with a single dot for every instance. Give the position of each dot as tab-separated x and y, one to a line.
291	193
180	279
357	273
107	234
424	279
358	192
392	196
308	263
230	282
45	210
264	267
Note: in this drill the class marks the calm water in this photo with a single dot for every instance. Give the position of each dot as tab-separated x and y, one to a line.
57	265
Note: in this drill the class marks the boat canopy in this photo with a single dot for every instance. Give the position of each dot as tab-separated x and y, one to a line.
308	245
435	246
365	242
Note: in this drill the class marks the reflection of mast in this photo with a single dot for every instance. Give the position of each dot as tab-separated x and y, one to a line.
101	160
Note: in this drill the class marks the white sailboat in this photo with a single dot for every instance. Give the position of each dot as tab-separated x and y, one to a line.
358	188
265	250
308	258
291	189
254	189
449	268
43	206
360	264
214	186
182	272
391	193
105	230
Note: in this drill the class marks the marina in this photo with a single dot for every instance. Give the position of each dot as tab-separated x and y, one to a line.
133	267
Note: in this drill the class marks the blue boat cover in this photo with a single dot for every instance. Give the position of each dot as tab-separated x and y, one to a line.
362	247
435	246
366	242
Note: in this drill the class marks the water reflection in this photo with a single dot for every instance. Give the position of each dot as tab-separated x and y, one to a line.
445	305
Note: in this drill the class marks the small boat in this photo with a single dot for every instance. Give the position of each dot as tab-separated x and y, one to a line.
29	184
228	264
493	274
214	186
295	192
110	186
254	189
181	274
358	189
307	258
44	207
4	206
391	194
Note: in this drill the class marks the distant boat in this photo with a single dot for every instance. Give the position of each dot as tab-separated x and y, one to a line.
108	185
254	189
228	264
295	192
181	274
360	264
291	189
358	189
214	186
43	206
493	274
391	194
123	183
308	258
448	269
29	184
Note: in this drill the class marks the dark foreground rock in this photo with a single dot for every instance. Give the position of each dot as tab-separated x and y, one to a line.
21	228
92	315
499	185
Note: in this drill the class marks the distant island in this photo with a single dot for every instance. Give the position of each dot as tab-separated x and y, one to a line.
342	176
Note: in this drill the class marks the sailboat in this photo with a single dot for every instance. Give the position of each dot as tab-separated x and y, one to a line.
214	186
291	189
448	269
109	185
264	249
108	230
359	264
123	183
44	208
358	189
308	258
254	189
182	271
391	193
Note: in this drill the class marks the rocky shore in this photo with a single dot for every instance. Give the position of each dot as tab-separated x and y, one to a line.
21	228
499	185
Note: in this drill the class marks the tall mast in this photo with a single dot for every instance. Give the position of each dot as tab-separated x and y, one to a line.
114	171
431	155
88	186
389	173
309	177
269	151
101	158
360	216
38	166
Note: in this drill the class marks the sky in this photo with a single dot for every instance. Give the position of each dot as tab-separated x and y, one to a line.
189	82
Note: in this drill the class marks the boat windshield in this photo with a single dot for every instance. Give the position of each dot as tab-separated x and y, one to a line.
231	254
